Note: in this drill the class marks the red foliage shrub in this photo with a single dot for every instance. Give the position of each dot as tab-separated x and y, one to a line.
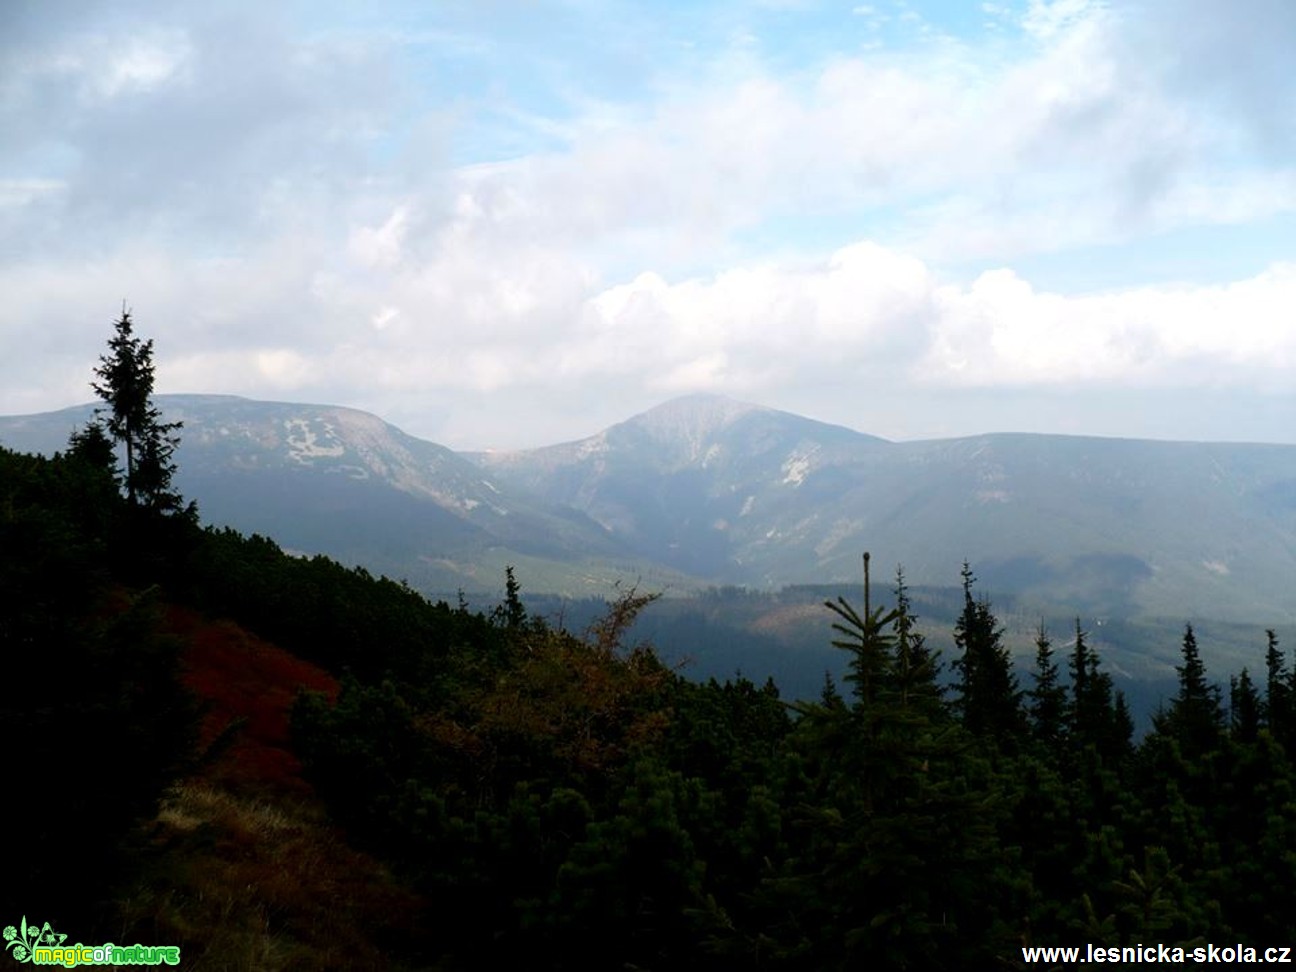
240	677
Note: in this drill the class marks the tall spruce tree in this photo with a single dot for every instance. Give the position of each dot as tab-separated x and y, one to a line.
916	667
1244	707
1048	699
1091	692
988	698
1099	715
1196	715
1277	708
871	664
126	387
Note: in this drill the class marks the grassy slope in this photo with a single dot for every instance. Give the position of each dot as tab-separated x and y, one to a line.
244	869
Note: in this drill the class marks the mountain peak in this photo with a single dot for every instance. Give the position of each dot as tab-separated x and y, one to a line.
692	418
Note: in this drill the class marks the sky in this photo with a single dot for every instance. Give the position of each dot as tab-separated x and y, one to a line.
507	224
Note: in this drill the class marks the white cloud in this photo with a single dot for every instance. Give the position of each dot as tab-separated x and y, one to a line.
280	210
1002	332
872	309
957	153
376	247
1045	20
142	65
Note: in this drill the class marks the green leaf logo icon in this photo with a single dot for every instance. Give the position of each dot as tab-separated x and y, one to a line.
23	940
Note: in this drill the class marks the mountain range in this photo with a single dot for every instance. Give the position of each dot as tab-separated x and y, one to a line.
704	490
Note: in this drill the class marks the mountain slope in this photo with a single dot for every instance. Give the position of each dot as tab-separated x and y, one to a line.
743	494
707	490
324	479
697	483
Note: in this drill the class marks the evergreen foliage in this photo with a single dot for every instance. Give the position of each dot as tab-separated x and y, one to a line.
1244	707
1098	717
1048	699
126	387
1277	709
1195	717
988	698
916	670
92	708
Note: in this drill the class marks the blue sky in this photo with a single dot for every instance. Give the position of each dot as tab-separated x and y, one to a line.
502	224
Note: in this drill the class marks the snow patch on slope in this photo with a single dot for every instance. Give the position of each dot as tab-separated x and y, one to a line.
304	446
798	465
594	445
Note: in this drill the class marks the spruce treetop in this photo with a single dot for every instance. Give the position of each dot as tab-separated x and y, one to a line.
126	387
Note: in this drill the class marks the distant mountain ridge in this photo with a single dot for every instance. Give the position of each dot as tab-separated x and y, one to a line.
680	481
706	490
744	494
342	482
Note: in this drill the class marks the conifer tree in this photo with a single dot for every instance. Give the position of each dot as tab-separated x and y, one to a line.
829	697
1195	715
1079	666
1093	708
889	863
126	387
93	445
1048	698
869	645
1277	710
512	613
916	667
1105	720
989	699
1123	721
1244	707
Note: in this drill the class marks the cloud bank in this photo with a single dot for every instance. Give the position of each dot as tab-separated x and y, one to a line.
503	233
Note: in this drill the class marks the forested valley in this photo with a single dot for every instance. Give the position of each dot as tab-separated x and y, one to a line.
278	762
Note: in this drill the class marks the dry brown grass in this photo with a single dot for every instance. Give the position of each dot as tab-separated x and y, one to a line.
245	871
246	882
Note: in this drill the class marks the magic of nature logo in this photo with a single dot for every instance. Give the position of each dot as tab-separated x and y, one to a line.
42	945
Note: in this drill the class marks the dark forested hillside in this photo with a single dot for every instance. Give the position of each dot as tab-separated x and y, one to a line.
571	799
506	787
92	716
